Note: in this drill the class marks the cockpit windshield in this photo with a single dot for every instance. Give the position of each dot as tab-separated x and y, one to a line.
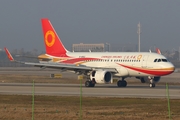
164	60
160	60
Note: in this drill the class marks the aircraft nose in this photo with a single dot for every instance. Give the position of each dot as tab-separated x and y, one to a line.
168	69
172	68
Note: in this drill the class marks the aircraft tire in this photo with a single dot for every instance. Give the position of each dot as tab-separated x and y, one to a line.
124	83
119	83
152	85
88	83
92	84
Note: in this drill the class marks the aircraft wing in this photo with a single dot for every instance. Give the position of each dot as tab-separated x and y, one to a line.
34	57
69	66
61	66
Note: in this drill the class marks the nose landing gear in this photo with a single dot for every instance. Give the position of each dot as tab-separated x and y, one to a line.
151	84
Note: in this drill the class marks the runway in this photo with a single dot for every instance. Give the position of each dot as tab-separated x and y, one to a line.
100	90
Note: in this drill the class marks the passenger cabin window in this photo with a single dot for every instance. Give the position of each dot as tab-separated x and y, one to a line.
155	60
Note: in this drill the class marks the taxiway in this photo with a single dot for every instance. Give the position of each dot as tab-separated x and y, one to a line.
107	90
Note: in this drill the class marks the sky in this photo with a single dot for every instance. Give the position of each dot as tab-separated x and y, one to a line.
91	21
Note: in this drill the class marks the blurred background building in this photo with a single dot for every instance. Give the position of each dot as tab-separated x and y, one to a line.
101	47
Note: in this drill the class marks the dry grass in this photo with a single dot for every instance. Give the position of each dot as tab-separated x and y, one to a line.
18	107
12	78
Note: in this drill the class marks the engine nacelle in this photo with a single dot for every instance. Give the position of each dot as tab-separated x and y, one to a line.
147	79
156	79
101	76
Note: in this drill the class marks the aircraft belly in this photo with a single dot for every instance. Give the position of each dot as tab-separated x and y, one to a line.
136	73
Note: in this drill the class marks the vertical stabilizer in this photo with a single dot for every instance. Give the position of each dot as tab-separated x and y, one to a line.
158	51
52	41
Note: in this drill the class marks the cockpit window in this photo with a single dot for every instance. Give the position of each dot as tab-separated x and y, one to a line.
164	60
159	60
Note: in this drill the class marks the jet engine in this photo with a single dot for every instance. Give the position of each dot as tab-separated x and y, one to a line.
156	79
101	76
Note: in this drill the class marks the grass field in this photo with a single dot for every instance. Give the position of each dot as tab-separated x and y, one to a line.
19	107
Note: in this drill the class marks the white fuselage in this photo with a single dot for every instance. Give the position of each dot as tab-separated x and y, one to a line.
126	63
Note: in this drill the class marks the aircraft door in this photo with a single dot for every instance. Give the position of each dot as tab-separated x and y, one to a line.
144	61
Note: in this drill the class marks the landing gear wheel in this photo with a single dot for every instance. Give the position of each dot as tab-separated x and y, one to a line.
124	83
92	84
152	85
88	83
121	83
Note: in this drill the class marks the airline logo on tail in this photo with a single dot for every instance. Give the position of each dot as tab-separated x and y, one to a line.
49	34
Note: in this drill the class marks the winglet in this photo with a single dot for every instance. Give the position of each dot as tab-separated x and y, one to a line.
158	51
9	54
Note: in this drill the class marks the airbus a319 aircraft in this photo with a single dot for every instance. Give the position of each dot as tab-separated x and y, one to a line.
100	67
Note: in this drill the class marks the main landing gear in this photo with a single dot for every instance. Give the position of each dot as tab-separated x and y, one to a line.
89	83
122	83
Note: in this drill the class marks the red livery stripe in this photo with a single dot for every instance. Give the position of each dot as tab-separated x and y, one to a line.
155	72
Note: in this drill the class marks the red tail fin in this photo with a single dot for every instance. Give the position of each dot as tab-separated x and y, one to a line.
52	42
158	51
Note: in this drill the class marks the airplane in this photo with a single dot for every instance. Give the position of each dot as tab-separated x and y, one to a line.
100	67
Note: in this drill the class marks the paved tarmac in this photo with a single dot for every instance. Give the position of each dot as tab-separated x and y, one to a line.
100	90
